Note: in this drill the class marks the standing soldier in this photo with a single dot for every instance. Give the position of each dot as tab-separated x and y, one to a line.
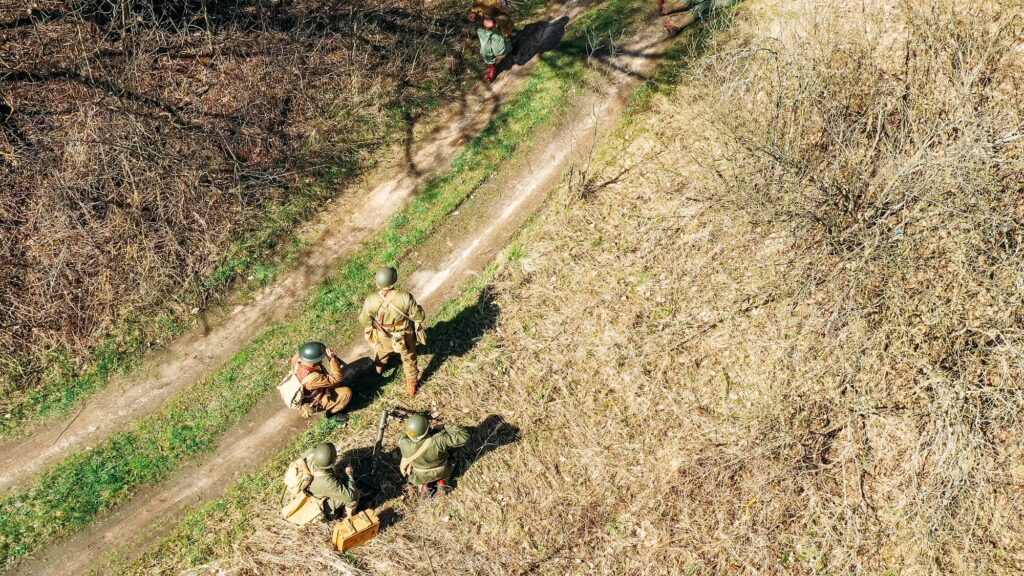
337	489
494	25
426	454
681	13
321	387
391	322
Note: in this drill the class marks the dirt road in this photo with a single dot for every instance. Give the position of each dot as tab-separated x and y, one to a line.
223	333
466	244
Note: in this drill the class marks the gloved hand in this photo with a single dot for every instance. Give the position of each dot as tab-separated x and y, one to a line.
471	16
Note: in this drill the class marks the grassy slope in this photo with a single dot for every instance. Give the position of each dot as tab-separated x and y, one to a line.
252	261
71	495
239	530
697	386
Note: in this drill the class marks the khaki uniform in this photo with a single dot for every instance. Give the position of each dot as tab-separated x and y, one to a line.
389	319
435	462
322	386
337	488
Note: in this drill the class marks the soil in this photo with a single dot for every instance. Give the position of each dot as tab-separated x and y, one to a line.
461	249
221	333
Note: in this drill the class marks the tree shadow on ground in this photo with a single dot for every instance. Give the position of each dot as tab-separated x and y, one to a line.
533	40
454	338
378	476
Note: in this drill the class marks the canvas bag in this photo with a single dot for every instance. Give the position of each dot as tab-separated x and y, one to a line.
303	508
291	390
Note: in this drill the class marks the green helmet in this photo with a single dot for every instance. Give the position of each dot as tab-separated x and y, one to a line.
324	455
312	352
386	277
416	426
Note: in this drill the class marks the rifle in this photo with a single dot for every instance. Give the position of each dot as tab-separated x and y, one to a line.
398	413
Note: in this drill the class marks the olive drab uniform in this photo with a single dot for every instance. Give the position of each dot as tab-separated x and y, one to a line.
321	387
494	42
434	462
337	488
681	13
389	319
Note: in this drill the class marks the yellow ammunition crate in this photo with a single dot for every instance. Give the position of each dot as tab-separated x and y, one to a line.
354	531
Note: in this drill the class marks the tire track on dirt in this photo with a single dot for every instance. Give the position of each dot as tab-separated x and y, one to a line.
475	239
142	392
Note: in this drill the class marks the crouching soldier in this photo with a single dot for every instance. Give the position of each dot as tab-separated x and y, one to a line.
321	386
337	489
427	454
681	13
391	323
494	26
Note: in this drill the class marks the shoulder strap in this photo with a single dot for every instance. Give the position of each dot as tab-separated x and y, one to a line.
388	302
405	466
423	448
378	317
395	308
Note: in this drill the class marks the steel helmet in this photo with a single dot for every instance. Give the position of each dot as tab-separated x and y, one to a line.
416	426
385	277
312	352
324	455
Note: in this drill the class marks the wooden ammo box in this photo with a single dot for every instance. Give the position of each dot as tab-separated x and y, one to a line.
351	532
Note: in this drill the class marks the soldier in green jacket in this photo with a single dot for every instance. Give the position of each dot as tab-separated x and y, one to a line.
337	488
494	27
681	13
389	319
426	454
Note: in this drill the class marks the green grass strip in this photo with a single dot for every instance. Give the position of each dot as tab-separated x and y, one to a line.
214	530
258	252
204	536
72	494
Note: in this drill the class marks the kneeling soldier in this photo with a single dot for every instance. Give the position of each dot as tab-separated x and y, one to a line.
337	489
390	319
426	454
321	387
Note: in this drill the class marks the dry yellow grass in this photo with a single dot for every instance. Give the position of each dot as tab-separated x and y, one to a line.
787	341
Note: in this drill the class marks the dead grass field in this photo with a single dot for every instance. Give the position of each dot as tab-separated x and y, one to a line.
786	341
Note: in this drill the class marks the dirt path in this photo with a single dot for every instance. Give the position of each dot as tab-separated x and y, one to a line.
466	244
344	225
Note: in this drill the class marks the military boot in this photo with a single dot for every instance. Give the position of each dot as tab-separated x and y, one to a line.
492	73
411	384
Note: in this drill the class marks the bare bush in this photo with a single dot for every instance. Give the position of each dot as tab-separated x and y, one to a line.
140	139
885	141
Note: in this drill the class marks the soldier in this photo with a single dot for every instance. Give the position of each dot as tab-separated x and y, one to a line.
390	319
682	13
494	26
338	489
321	387
426	454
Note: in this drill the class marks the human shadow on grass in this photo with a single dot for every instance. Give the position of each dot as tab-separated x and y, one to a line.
380	481
454	338
533	40
445	340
